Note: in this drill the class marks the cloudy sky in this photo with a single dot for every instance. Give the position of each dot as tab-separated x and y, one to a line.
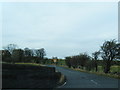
63	29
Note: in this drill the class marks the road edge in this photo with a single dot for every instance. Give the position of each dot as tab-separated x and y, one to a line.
62	81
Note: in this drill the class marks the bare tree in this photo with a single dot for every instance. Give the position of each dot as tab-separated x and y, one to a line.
40	53
27	52
67	61
17	55
83	58
117	51
95	58
108	52
6	56
10	47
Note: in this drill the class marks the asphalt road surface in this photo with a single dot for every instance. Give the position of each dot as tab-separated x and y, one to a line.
76	79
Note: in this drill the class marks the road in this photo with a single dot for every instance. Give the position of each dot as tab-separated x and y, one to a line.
76	79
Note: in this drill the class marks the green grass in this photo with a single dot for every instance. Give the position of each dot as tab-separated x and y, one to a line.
61	62
34	64
115	68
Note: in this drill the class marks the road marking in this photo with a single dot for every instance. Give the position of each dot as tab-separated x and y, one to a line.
94	82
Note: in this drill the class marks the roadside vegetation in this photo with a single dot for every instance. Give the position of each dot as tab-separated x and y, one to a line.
25	68
105	61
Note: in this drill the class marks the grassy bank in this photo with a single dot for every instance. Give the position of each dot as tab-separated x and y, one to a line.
29	75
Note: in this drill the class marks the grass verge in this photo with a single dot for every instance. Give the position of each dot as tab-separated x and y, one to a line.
91	72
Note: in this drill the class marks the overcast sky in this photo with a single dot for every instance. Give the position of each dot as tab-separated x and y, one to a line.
63	29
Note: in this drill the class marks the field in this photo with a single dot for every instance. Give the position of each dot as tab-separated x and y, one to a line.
113	68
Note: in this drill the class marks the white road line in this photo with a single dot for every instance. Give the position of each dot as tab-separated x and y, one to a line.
94	82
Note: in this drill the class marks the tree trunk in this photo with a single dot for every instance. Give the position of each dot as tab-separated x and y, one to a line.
107	68
96	67
81	67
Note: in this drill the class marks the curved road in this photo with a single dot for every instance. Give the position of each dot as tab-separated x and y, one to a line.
76	79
